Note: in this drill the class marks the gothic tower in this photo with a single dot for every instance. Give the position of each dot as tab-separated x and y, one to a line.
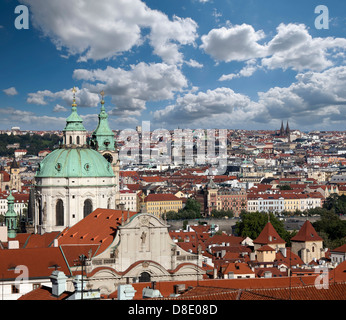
15	181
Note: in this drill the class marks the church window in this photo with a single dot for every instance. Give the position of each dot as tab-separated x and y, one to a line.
70	139
88	207
78	140
59	212
144	277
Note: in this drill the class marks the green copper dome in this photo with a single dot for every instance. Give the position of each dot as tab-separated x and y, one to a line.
74	162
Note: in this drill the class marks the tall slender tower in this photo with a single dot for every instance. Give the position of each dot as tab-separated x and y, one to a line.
104	142
11	217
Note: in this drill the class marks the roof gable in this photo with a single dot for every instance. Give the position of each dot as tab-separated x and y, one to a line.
307	233
268	236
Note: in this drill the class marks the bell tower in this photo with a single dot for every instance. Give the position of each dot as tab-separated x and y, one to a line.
103	141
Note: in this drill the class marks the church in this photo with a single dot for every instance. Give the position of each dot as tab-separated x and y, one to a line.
78	177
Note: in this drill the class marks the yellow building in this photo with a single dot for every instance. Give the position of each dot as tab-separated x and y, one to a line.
292	203
160	203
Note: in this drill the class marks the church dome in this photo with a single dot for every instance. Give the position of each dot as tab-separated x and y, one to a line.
74	162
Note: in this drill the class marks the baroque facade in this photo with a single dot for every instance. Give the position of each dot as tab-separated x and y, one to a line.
75	179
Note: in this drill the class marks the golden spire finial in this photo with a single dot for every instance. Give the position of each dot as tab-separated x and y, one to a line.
102	93
74	90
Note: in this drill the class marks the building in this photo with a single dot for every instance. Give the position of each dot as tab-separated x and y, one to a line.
269	237
159	203
307	244
233	199
338	255
21	201
265	203
72	180
11	180
129	199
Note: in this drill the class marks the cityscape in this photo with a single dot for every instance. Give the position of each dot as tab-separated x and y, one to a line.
153	176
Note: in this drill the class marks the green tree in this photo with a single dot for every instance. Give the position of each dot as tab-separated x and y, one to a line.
331	228
336	202
251	225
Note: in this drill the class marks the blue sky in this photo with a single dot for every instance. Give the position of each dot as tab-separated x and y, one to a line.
237	64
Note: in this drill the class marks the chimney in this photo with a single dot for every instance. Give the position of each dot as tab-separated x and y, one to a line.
58	280
153	285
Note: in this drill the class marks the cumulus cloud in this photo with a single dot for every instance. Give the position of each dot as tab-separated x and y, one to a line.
314	100
291	48
191	108
10	91
84	98
247	71
106	29
131	89
237	43
24	119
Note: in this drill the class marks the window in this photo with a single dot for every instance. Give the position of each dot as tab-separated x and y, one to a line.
88	207
59	213
78	140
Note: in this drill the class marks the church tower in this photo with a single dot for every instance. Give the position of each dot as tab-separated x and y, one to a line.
15	181
72	181
11	217
104	142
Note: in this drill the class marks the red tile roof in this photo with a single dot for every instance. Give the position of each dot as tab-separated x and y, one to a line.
161	197
98	228
39	261
269	236
307	233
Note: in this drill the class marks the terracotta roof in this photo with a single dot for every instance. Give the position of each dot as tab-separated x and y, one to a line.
265	248
98	228
39	261
307	233
161	197
268	236
340	249
44	293
309	292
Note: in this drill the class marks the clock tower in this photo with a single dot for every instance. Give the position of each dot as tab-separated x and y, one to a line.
103	141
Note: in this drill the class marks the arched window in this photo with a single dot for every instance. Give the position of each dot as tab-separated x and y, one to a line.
144	277
78	140
88	207
59	212
70	139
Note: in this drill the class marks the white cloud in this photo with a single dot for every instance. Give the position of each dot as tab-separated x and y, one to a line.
84	98
24	119
106	29
315	100
131	89
194	64
193	109
237	43
247	71
291	48
59	108
10	91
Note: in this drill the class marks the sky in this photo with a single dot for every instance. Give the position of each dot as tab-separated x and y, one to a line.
228	64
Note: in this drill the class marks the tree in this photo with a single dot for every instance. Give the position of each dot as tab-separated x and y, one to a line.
222	213
251	224
193	205
331	228
336	202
